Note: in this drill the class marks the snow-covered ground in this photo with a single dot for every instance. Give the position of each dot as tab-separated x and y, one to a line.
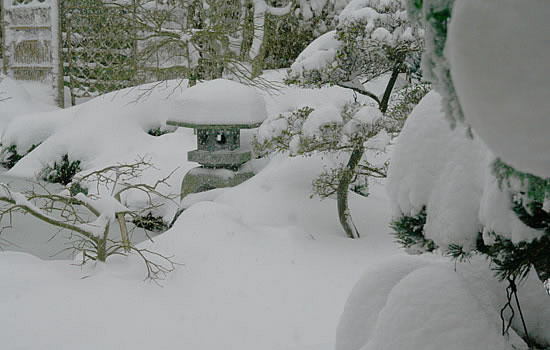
263	266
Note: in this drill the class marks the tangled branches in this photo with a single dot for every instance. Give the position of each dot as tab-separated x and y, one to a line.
89	206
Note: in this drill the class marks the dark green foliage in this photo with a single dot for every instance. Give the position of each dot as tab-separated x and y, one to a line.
515	260
535	189
158	132
61	172
510	260
76	189
150	223
10	157
287	38
528	195
457	253
409	232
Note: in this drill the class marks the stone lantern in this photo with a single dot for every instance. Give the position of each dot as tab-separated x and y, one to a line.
218	110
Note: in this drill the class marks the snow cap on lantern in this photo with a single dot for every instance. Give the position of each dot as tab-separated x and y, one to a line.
217	110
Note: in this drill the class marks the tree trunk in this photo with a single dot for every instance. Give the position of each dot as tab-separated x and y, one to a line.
389	88
102	244
344	214
101	250
123	228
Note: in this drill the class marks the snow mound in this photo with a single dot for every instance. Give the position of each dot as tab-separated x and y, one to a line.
317	55
414	303
19	98
33	128
220	102
264	267
318	118
449	174
108	130
498	52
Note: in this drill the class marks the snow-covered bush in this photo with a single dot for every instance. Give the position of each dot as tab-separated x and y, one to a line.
488	61
373	37
474	203
450	193
466	60
355	130
89	206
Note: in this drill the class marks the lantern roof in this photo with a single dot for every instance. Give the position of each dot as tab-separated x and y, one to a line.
220	103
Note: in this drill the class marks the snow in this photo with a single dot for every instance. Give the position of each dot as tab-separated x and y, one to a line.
220	102
264	266
450	174
108	130
382	34
320	117
19	98
379	142
358	10
498	53
368	114
317	54
414	303
107	206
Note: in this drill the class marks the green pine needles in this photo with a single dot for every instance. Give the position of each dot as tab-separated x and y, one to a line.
409	233
530	196
530	199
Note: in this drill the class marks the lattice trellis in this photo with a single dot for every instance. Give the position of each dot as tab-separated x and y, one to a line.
98	47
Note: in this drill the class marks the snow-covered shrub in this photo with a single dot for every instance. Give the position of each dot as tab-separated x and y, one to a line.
373	37
474	204
466	56
90	206
479	54
356	130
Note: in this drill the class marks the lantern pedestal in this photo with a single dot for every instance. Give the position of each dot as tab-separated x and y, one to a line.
202	179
